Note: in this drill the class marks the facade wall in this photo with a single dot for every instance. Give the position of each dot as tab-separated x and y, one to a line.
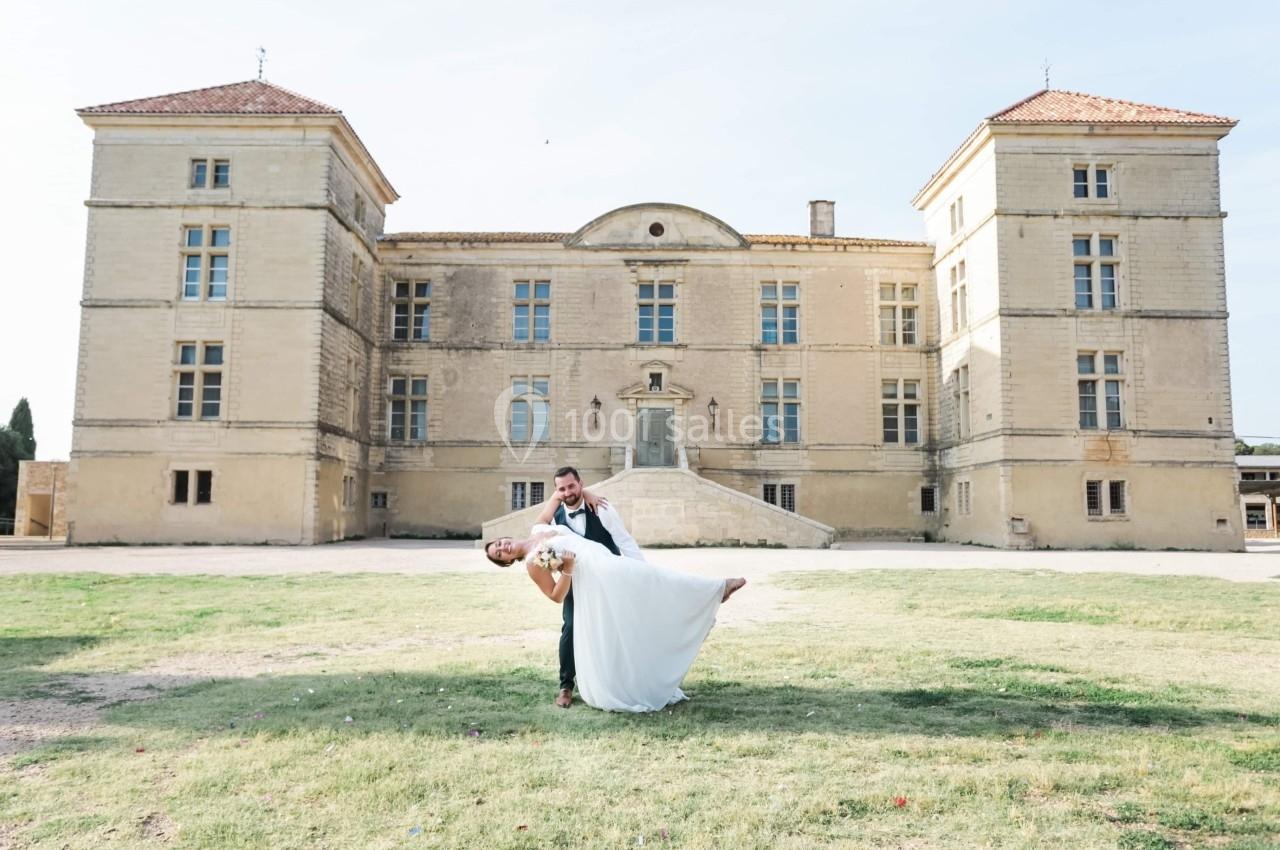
41	508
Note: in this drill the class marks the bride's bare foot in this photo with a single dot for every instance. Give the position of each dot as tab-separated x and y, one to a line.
732	586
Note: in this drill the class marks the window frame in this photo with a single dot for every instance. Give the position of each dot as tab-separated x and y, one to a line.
896	407
1101	262
780	304
786	428
210	168
657	303
407	399
1092	185
1099	500
893	313
416	301
1103	389
206	251
534	305
205	370
522	386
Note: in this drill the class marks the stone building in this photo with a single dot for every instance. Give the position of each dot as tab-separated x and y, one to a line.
1260	494
260	362
41	509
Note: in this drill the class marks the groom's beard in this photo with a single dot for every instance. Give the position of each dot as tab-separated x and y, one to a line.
574	503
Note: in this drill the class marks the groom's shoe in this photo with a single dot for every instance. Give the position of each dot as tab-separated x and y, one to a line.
564	699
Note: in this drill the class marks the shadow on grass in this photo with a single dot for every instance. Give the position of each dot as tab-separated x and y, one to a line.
17	652
452	703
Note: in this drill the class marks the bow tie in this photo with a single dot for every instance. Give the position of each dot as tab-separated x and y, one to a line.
577	512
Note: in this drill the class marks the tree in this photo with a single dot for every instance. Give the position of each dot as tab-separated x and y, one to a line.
1266	449
1243	448
12	450
20	423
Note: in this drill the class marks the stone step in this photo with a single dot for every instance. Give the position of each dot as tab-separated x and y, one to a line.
677	507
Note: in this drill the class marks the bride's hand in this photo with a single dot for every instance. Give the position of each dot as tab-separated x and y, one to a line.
593	501
567	562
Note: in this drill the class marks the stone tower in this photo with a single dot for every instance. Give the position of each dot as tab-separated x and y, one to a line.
1082	301
226	335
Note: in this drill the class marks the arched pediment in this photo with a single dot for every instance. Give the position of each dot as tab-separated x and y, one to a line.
656	226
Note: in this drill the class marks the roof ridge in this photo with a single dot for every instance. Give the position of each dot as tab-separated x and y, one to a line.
1136	103
103	107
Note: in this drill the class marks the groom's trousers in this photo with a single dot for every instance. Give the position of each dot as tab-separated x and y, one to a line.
568	671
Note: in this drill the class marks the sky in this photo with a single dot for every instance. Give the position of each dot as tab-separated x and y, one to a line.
541	116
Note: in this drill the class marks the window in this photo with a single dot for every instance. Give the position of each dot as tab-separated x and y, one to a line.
411	311
348	491
201	169
655	382
530	409
959	297
198	375
358	209
929	500
181	486
1095	266
526	493
1255	517
964	498
204	487
780	411
900	412
957	215
205	262
1105	498
782	495
407	408
378	500
779	312
531	316
899	314
182	494
960	401
1081	184
656	309
1112	381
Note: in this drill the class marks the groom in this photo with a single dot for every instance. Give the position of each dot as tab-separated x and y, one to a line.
605	527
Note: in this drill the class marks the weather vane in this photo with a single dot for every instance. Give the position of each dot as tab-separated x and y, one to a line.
262	58
1046	67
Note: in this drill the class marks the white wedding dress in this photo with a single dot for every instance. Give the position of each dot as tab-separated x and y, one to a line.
637	627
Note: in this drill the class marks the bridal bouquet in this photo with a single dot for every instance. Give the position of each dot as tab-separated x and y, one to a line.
547	557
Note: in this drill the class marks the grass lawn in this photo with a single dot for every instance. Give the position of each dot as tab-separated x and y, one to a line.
888	709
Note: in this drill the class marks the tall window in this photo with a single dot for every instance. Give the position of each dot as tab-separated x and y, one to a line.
531	311
201	169
407	408
1112	387
899	314
959	297
929	500
957	215
354	370
1095	264
779	312
900	412
530	409
1105	498
656	310
205	262
960	401
198	378
411	311
1091	181
964	498
780	411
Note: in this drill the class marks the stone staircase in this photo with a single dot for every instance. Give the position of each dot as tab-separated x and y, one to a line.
9	542
678	507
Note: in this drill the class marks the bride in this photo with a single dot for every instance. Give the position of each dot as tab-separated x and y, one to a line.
637	626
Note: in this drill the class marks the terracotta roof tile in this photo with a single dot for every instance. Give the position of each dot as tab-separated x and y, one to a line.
473	236
784	239
1051	106
754	239
253	97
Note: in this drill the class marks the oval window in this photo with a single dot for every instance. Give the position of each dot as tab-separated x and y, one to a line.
656	229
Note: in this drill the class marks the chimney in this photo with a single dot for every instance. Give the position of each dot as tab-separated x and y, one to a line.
822	218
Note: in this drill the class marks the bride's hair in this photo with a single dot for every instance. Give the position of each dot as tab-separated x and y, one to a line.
493	559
